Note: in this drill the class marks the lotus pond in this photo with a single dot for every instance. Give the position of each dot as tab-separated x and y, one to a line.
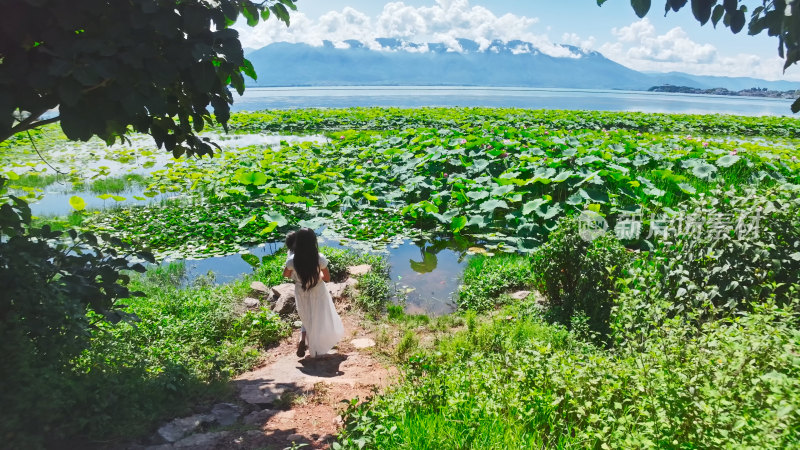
429	185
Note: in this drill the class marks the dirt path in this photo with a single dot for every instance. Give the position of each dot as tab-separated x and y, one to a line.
300	399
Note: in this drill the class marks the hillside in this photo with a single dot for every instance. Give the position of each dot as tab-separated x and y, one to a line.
506	64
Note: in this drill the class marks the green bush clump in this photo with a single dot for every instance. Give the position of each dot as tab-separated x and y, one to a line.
745	247
577	275
183	348
374	292
57	290
487	277
521	383
340	259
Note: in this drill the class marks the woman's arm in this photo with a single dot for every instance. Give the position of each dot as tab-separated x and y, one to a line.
287	272
326	275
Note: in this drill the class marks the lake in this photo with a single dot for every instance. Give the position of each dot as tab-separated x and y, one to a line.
530	98
427	273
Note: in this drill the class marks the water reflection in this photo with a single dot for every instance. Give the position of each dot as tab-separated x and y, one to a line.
227	268
425	274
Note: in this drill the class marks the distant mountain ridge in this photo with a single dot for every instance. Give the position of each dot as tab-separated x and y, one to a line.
500	64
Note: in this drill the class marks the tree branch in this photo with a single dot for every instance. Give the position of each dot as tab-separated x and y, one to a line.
28	124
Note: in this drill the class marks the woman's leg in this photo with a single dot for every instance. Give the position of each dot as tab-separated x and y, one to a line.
301	346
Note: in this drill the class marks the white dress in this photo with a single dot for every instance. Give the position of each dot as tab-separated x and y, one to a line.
320	320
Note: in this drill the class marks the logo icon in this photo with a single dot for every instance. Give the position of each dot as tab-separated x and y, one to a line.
591	225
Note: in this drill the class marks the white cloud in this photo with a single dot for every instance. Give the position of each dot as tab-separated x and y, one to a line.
640	47
577	41
445	22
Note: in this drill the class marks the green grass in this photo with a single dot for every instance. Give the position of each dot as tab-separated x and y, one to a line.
486	278
62	223
38	180
114	184
181	352
517	382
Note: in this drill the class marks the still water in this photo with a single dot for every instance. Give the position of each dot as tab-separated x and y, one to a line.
424	275
531	98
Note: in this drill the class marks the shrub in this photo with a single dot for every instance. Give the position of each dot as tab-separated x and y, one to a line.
525	384
374	292
340	259
745	247
487	277
57	290
577	275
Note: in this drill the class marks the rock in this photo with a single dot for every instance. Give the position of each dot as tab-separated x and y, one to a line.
520	295
338	290
259	417
251	303
158	447
283	290
259	287
284	306
202	441
338	421
362	343
357	271
262	396
297	324
226	413
179	428
295	437
284	299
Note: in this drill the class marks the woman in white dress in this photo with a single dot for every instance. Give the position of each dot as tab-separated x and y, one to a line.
322	327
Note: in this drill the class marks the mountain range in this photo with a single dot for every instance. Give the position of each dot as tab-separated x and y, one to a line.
501	64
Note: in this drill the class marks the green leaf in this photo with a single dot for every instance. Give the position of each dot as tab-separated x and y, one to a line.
246	221
458	223
687	188
563	176
251	14
290	4
727	160
704	170
702	10
737	21
370	197
251	178
532	206
478	195
77	203
719	10
551	212
269	228
314	223
291	198
502	190
277	218
490	205
248	69
479	221
479	165
251	259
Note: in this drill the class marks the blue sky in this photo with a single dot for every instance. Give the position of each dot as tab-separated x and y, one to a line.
673	43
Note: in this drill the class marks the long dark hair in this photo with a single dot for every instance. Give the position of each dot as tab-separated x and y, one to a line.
306	258
291	237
